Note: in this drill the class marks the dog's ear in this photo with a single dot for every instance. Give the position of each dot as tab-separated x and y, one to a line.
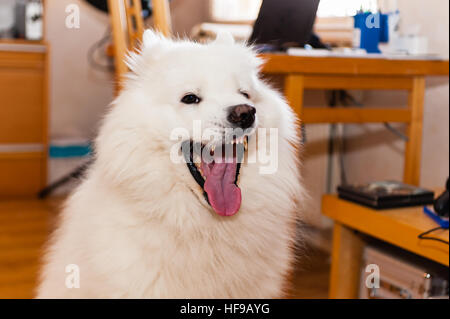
153	42
224	37
152	39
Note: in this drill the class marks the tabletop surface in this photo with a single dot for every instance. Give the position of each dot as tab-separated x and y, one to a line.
284	63
400	226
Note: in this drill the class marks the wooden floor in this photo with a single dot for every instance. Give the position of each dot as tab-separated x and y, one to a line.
24	228
26	224
311	276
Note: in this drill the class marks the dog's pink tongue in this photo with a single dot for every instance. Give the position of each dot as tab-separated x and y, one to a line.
223	194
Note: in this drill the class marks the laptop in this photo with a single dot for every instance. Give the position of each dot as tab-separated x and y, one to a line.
285	23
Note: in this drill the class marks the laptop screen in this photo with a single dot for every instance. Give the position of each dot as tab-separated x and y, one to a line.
285	22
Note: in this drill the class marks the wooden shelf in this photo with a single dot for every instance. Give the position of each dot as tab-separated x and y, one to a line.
21	41
400	226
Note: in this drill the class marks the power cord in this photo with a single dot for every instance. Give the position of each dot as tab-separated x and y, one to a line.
424	235
345	96
346	100
396	132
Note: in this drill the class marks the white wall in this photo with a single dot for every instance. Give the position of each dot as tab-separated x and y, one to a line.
433	17
78	93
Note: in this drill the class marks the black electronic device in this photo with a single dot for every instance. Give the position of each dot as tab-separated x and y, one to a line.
441	204
285	23
386	194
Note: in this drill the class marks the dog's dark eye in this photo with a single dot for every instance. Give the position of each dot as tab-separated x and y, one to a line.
191	99
245	94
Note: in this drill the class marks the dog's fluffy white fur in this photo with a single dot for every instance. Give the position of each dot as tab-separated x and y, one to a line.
139	227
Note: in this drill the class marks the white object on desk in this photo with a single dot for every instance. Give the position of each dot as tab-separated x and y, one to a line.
415	45
340	53
360	53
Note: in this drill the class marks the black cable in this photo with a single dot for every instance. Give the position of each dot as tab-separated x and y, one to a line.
332	102
423	235
303	137
93	50
396	132
335	141
75	174
345	95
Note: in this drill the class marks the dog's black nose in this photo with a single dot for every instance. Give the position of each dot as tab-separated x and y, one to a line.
242	115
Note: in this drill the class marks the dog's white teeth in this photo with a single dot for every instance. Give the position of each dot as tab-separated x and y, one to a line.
195	158
199	168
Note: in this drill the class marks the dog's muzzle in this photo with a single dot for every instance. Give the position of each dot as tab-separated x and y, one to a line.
216	170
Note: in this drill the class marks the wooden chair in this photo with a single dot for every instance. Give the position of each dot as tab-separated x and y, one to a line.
128	26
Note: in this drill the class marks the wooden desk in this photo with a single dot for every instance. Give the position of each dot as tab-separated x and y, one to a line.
360	74
399	227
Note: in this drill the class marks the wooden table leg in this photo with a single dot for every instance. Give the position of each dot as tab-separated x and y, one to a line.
345	263
413	152
293	91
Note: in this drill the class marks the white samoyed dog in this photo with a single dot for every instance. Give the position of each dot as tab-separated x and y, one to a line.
151	219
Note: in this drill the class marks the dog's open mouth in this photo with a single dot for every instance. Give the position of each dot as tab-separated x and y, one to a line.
216	169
